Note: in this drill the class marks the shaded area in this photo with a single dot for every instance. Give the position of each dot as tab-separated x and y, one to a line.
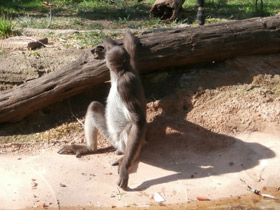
61	113
209	76
86	10
195	152
133	12
14	6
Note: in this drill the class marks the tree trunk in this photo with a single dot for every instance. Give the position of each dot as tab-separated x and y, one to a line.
167	10
157	50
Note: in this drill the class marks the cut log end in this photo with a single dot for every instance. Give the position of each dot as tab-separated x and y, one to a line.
167	10
163	11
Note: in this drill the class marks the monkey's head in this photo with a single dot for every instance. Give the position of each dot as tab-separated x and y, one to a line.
117	59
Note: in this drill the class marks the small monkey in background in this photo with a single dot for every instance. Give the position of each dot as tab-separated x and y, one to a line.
123	120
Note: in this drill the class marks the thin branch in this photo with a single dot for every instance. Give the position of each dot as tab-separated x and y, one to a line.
70	108
258	192
50	20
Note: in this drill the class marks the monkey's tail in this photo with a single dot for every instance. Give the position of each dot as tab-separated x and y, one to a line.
130	44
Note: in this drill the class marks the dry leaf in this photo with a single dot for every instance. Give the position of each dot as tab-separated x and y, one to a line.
200	198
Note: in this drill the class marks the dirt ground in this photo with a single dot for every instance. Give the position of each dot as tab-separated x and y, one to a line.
213	130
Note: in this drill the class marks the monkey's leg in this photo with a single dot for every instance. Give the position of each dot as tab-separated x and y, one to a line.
120	145
200	12
94	121
132	150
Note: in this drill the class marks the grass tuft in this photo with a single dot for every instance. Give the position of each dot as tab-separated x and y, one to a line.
6	27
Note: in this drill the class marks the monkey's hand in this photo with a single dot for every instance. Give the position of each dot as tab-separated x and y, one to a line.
78	150
123	180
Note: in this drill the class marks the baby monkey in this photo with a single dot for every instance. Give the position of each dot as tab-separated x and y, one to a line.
123	120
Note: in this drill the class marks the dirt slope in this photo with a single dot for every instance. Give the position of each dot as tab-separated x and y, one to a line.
220	125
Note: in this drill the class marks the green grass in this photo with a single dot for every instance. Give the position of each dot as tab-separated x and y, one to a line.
21	6
111	14
2	52
81	39
6	27
89	39
221	10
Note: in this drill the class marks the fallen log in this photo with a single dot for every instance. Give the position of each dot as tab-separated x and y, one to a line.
158	50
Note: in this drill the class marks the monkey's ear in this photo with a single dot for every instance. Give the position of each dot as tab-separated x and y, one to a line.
108	43
131	39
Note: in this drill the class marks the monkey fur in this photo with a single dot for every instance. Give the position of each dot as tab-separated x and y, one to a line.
123	120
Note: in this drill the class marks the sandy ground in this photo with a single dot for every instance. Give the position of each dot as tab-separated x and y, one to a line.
209	140
180	176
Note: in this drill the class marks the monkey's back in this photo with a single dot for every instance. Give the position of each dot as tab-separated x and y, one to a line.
126	102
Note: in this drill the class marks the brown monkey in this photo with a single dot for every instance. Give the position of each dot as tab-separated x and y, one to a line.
123	121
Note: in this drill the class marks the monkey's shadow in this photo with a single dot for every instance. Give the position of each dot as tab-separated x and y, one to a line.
192	151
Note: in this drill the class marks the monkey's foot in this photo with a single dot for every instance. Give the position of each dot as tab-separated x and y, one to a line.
77	150
200	17
123	180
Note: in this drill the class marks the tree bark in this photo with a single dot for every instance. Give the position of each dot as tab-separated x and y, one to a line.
157	50
167	10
